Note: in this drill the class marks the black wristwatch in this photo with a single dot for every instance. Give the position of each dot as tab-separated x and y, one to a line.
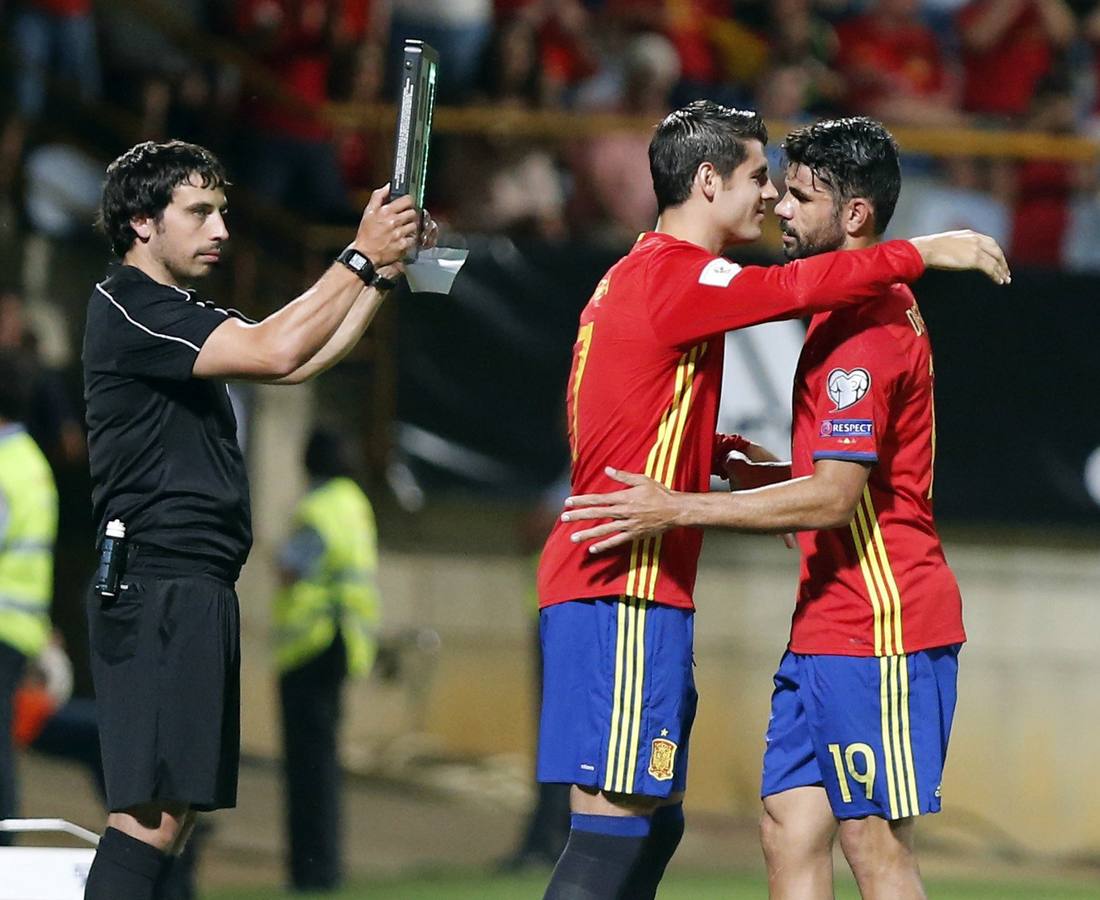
364	268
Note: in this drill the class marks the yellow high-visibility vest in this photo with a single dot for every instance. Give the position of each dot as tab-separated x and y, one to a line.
342	591
27	541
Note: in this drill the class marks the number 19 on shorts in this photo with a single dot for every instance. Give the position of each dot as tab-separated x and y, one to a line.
856	761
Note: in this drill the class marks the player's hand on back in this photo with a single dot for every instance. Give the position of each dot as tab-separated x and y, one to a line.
644	508
964	249
388	228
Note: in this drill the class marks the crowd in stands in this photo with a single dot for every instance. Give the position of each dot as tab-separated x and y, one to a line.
249	77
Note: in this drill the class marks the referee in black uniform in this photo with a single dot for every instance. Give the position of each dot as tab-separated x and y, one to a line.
165	462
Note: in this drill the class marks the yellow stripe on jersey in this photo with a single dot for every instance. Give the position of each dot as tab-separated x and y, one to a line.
666	465
865	567
661	466
640	551
882	589
876	584
878	574
641	586
879	545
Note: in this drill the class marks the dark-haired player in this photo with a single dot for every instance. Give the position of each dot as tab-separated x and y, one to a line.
165	461
864	696
618	692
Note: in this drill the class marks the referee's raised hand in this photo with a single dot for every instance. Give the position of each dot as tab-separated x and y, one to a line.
387	229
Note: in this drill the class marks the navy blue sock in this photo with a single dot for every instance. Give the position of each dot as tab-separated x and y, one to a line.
598	858
123	867
666	829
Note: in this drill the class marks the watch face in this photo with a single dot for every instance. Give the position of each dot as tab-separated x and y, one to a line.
357	260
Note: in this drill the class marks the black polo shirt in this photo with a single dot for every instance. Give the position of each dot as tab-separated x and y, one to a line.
161	443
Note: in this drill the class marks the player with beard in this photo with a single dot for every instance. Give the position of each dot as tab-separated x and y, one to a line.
865	694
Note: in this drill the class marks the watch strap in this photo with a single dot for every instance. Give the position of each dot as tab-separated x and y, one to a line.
364	268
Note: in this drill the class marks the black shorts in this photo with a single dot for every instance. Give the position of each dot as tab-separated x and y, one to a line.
166	661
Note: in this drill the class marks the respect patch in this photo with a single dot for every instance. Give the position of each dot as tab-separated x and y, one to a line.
850	428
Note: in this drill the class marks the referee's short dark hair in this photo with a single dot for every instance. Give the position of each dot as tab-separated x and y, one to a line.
16	374
141	182
852	157
702	131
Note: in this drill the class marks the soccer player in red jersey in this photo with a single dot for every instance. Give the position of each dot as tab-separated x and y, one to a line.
618	694
865	694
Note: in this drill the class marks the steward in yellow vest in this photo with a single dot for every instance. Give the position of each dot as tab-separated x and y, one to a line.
325	619
338	591
28	528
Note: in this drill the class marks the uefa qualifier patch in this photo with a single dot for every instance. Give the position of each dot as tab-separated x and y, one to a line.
847	388
719	273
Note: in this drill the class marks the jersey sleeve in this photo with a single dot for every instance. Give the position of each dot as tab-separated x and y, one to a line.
724	444
159	332
694	296
853	403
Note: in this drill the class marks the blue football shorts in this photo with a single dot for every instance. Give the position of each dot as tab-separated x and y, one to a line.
618	695
873	731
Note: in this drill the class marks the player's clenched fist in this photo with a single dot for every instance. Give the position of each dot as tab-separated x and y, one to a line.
387	229
964	250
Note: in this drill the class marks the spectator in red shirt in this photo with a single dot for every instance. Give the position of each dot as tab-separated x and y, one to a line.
293	161
1007	47
363	160
894	68
566	48
1045	188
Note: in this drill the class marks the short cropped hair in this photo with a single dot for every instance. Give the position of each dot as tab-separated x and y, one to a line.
16	375
702	131
854	157
141	182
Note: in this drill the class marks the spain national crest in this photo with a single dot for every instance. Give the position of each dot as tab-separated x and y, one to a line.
662	757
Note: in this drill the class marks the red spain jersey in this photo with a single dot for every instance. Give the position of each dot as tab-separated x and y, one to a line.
643	390
864	392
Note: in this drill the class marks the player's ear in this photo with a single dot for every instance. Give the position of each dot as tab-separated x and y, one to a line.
858	217
706	176
143	227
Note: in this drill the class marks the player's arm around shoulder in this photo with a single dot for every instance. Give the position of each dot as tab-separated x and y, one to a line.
286	340
964	249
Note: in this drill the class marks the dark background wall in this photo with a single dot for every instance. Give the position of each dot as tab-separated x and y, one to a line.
1017	370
